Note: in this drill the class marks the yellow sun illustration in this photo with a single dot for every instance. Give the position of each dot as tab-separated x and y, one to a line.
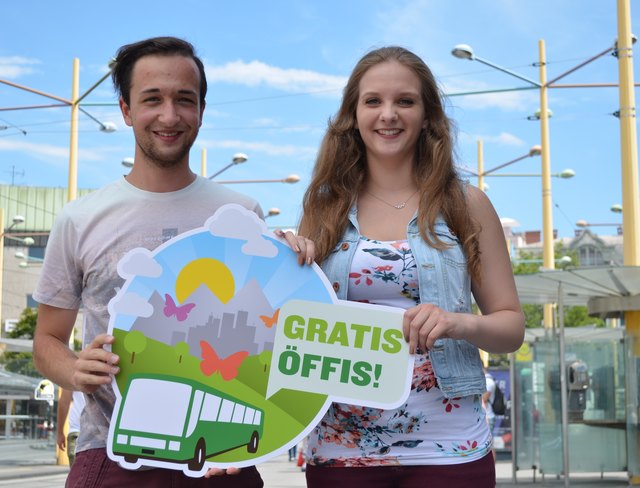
210	272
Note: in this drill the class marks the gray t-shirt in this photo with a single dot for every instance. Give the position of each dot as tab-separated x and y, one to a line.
90	235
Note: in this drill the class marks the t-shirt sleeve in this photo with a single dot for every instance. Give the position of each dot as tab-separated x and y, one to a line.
60	281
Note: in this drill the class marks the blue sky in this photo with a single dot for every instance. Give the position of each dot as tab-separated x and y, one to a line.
276	70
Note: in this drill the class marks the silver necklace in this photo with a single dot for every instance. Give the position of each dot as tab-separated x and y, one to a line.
397	206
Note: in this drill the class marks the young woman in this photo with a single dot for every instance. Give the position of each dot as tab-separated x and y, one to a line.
393	224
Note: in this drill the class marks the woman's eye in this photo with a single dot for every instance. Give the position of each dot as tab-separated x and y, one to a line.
406	101
372	101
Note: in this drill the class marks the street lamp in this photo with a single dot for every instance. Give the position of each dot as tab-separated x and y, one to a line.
238	158
128	162
564	174
273	211
288	179
464	51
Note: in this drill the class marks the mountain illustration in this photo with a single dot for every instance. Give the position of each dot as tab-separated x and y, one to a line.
228	327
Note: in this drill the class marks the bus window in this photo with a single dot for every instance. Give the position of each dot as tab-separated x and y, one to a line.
257	420
195	411
226	411
238	414
143	395
210	408
248	416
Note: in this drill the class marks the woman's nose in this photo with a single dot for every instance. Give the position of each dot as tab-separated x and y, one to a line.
389	113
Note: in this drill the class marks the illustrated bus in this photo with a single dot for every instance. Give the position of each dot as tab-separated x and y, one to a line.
173	419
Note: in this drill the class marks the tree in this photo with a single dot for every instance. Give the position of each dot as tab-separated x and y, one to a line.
181	348
135	342
22	362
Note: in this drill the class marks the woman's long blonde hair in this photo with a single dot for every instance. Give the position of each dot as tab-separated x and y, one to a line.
341	168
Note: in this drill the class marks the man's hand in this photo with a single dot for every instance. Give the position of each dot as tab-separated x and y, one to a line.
95	365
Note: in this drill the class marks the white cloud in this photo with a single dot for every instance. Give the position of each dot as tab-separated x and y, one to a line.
503	139
290	80
508	101
236	222
264	147
16	66
139	262
55	155
131	304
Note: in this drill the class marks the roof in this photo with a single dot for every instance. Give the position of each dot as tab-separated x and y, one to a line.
603	289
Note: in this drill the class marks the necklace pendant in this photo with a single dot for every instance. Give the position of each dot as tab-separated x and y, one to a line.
400	206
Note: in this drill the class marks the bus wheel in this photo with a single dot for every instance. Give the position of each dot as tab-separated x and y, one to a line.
252	447
199	456
130	458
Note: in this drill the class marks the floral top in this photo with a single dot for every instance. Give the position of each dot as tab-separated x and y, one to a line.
428	428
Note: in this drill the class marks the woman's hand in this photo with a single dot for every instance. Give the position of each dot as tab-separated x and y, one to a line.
425	323
220	472
301	245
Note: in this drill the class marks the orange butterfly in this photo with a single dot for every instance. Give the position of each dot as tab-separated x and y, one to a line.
269	321
211	362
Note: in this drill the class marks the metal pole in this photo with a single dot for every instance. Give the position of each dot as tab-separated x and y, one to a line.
563	390
203	162
72	187
1	264
547	216
480	166
630	214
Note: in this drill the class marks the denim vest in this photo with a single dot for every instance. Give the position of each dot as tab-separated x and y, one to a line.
444	281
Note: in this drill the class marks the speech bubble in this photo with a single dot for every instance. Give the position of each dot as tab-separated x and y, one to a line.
353	352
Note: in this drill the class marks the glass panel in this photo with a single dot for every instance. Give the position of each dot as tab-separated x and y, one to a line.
595	381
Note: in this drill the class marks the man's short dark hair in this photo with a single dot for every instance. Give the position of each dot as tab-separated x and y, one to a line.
128	54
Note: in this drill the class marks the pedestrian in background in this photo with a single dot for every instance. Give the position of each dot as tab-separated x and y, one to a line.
393	224
70	404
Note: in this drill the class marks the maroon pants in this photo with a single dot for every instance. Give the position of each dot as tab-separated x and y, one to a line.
94	469
476	474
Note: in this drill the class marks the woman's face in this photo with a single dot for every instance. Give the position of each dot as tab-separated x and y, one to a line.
390	114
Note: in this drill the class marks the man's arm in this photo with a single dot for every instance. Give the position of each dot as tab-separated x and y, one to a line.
52	356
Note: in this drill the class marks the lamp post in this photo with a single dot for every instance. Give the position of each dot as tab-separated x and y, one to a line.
464	51
4	234
238	158
565	174
630	216
288	179
74	103
273	211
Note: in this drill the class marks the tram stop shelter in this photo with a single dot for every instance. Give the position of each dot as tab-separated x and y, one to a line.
575	396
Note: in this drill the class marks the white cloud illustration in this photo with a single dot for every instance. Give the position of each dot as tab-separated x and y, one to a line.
131	304
236	222
139	262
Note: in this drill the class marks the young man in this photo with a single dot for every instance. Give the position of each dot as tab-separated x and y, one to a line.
162	88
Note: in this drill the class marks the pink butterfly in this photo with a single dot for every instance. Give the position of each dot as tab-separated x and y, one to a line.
181	312
211	362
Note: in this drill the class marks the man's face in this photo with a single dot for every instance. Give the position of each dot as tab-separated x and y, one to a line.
164	109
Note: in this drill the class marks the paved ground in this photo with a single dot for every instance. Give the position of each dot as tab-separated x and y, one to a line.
29	464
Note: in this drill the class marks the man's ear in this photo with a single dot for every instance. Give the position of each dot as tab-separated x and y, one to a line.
126	112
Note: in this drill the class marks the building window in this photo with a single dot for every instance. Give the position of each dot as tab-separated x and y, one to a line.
31	302
591	256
